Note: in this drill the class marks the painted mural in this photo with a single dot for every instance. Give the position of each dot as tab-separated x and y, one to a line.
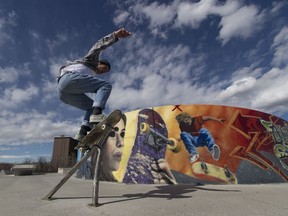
200	144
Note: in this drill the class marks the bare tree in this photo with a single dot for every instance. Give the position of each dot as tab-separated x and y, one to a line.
28	161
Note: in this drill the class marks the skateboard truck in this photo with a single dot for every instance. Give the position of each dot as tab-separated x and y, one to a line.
156	140
204	167
227	172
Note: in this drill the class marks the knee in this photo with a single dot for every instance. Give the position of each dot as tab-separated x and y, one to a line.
60	93
184	136
60	90
62	96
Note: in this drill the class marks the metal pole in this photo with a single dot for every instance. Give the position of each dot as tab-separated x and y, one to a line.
95	194
70	173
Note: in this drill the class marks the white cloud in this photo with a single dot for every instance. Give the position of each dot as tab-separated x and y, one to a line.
280	45
12	74
192	14
159	14
6	148
242	23
266	92
272	90
32	127
165	75
159	72
49	91
239	88
277	6
8	75
13	97
55	66
161	75
120	17
6	22
236	20
14	156
60	39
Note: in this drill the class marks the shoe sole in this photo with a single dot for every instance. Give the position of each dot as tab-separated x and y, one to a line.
216	154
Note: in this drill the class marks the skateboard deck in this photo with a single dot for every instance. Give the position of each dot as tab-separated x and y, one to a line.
100	129
221	173
149	146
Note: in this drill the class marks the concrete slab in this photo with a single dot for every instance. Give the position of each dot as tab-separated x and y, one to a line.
23	169
22	195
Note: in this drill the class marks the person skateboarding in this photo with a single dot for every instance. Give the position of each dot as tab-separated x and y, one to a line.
76	78
195	135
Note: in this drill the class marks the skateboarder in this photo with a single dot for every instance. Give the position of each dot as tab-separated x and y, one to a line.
195	135
82	76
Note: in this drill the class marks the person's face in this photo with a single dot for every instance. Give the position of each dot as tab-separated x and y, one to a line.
102	68
187	120
113	148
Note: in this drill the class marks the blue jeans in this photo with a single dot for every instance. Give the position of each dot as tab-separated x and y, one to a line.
191	142
72	89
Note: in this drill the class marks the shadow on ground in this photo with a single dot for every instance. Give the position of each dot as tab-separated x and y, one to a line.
168	192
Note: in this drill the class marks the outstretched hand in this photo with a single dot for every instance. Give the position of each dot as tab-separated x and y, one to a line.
122	33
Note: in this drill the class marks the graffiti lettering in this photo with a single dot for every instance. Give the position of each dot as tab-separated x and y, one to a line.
280	136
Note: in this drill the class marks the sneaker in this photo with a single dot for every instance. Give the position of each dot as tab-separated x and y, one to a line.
215	151
193	157
95	119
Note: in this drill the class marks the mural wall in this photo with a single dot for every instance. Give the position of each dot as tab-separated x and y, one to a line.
188	144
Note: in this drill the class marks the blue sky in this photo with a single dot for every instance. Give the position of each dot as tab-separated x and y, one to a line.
226	52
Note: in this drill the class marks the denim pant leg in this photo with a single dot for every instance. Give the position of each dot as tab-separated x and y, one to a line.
206	139
72	89
73	86
189	142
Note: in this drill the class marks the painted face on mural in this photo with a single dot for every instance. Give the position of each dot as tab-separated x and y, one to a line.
113	149
187	120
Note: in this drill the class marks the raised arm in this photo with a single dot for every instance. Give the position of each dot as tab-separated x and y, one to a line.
92	57
208	118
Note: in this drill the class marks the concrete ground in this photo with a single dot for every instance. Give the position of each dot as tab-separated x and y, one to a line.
22	195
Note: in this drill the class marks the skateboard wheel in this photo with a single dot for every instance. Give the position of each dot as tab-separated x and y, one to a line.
175	147
103	127
144	127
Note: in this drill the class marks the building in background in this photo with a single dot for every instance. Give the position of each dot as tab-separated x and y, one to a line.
64	154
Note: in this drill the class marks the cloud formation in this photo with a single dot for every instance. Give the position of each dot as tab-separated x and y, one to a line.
237	20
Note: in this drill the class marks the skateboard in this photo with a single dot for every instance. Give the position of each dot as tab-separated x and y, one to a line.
206	170
97	132
149	146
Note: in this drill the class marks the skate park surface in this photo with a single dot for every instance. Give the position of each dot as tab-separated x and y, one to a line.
22	195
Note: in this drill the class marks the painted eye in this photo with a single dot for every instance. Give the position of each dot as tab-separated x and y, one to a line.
122	134
112	133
